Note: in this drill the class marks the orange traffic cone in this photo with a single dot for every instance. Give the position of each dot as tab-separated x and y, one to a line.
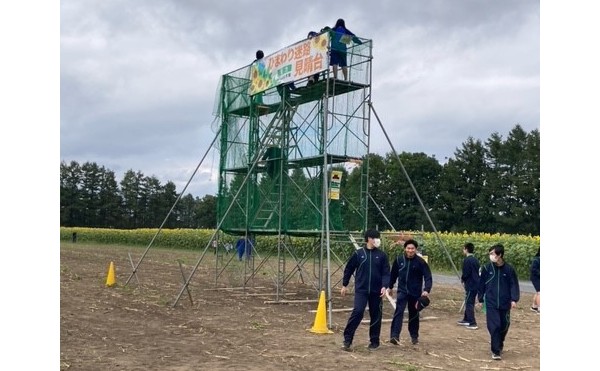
320	325
110	278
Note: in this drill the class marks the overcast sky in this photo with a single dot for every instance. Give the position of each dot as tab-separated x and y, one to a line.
138	78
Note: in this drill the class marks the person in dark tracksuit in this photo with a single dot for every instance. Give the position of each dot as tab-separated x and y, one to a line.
470	281
534	276
500	285
414	280
371	269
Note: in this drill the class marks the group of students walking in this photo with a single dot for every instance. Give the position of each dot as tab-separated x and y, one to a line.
496	284
374	280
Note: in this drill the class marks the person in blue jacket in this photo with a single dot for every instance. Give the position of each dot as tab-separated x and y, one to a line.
340	37
470	281
500	285
414	281
245	246
371	269
240	246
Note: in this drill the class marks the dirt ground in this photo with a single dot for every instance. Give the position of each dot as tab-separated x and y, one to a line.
136	326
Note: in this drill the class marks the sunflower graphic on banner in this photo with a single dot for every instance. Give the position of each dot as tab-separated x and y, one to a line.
303	59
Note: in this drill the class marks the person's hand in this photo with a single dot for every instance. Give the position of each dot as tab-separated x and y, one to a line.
343	291
425	293
513	304
383	292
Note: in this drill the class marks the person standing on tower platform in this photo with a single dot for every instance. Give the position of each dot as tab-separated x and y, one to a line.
313	78
260	66
340	37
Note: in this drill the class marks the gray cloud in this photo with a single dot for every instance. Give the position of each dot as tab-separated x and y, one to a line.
139	78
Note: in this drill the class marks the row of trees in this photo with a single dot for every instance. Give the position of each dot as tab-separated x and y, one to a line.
491	186
91	197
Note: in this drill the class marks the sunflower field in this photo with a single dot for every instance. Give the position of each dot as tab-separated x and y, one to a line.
443	250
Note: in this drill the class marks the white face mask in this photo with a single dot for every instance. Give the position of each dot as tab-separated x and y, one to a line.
493	258
376	242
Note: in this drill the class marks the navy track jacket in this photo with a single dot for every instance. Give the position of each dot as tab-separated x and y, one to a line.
372	271
411	274
500	286
534	275
470	273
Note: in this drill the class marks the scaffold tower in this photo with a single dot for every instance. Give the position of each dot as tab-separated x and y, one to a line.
290	133
294	149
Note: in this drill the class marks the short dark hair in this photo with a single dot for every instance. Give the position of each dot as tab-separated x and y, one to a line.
470	247
260	54
312	34
498	249
371	233
340	23
411	242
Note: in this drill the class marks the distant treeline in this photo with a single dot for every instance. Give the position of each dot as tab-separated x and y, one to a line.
491	186
91	197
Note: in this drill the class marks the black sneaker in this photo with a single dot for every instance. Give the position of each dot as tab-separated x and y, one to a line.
496	356
462	323
534	309
472	326
394	341
415	341
373	346
346	346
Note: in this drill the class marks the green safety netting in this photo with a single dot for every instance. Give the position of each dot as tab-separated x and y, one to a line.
286	123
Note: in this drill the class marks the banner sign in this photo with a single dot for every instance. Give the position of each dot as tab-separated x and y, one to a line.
336	180
300	60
